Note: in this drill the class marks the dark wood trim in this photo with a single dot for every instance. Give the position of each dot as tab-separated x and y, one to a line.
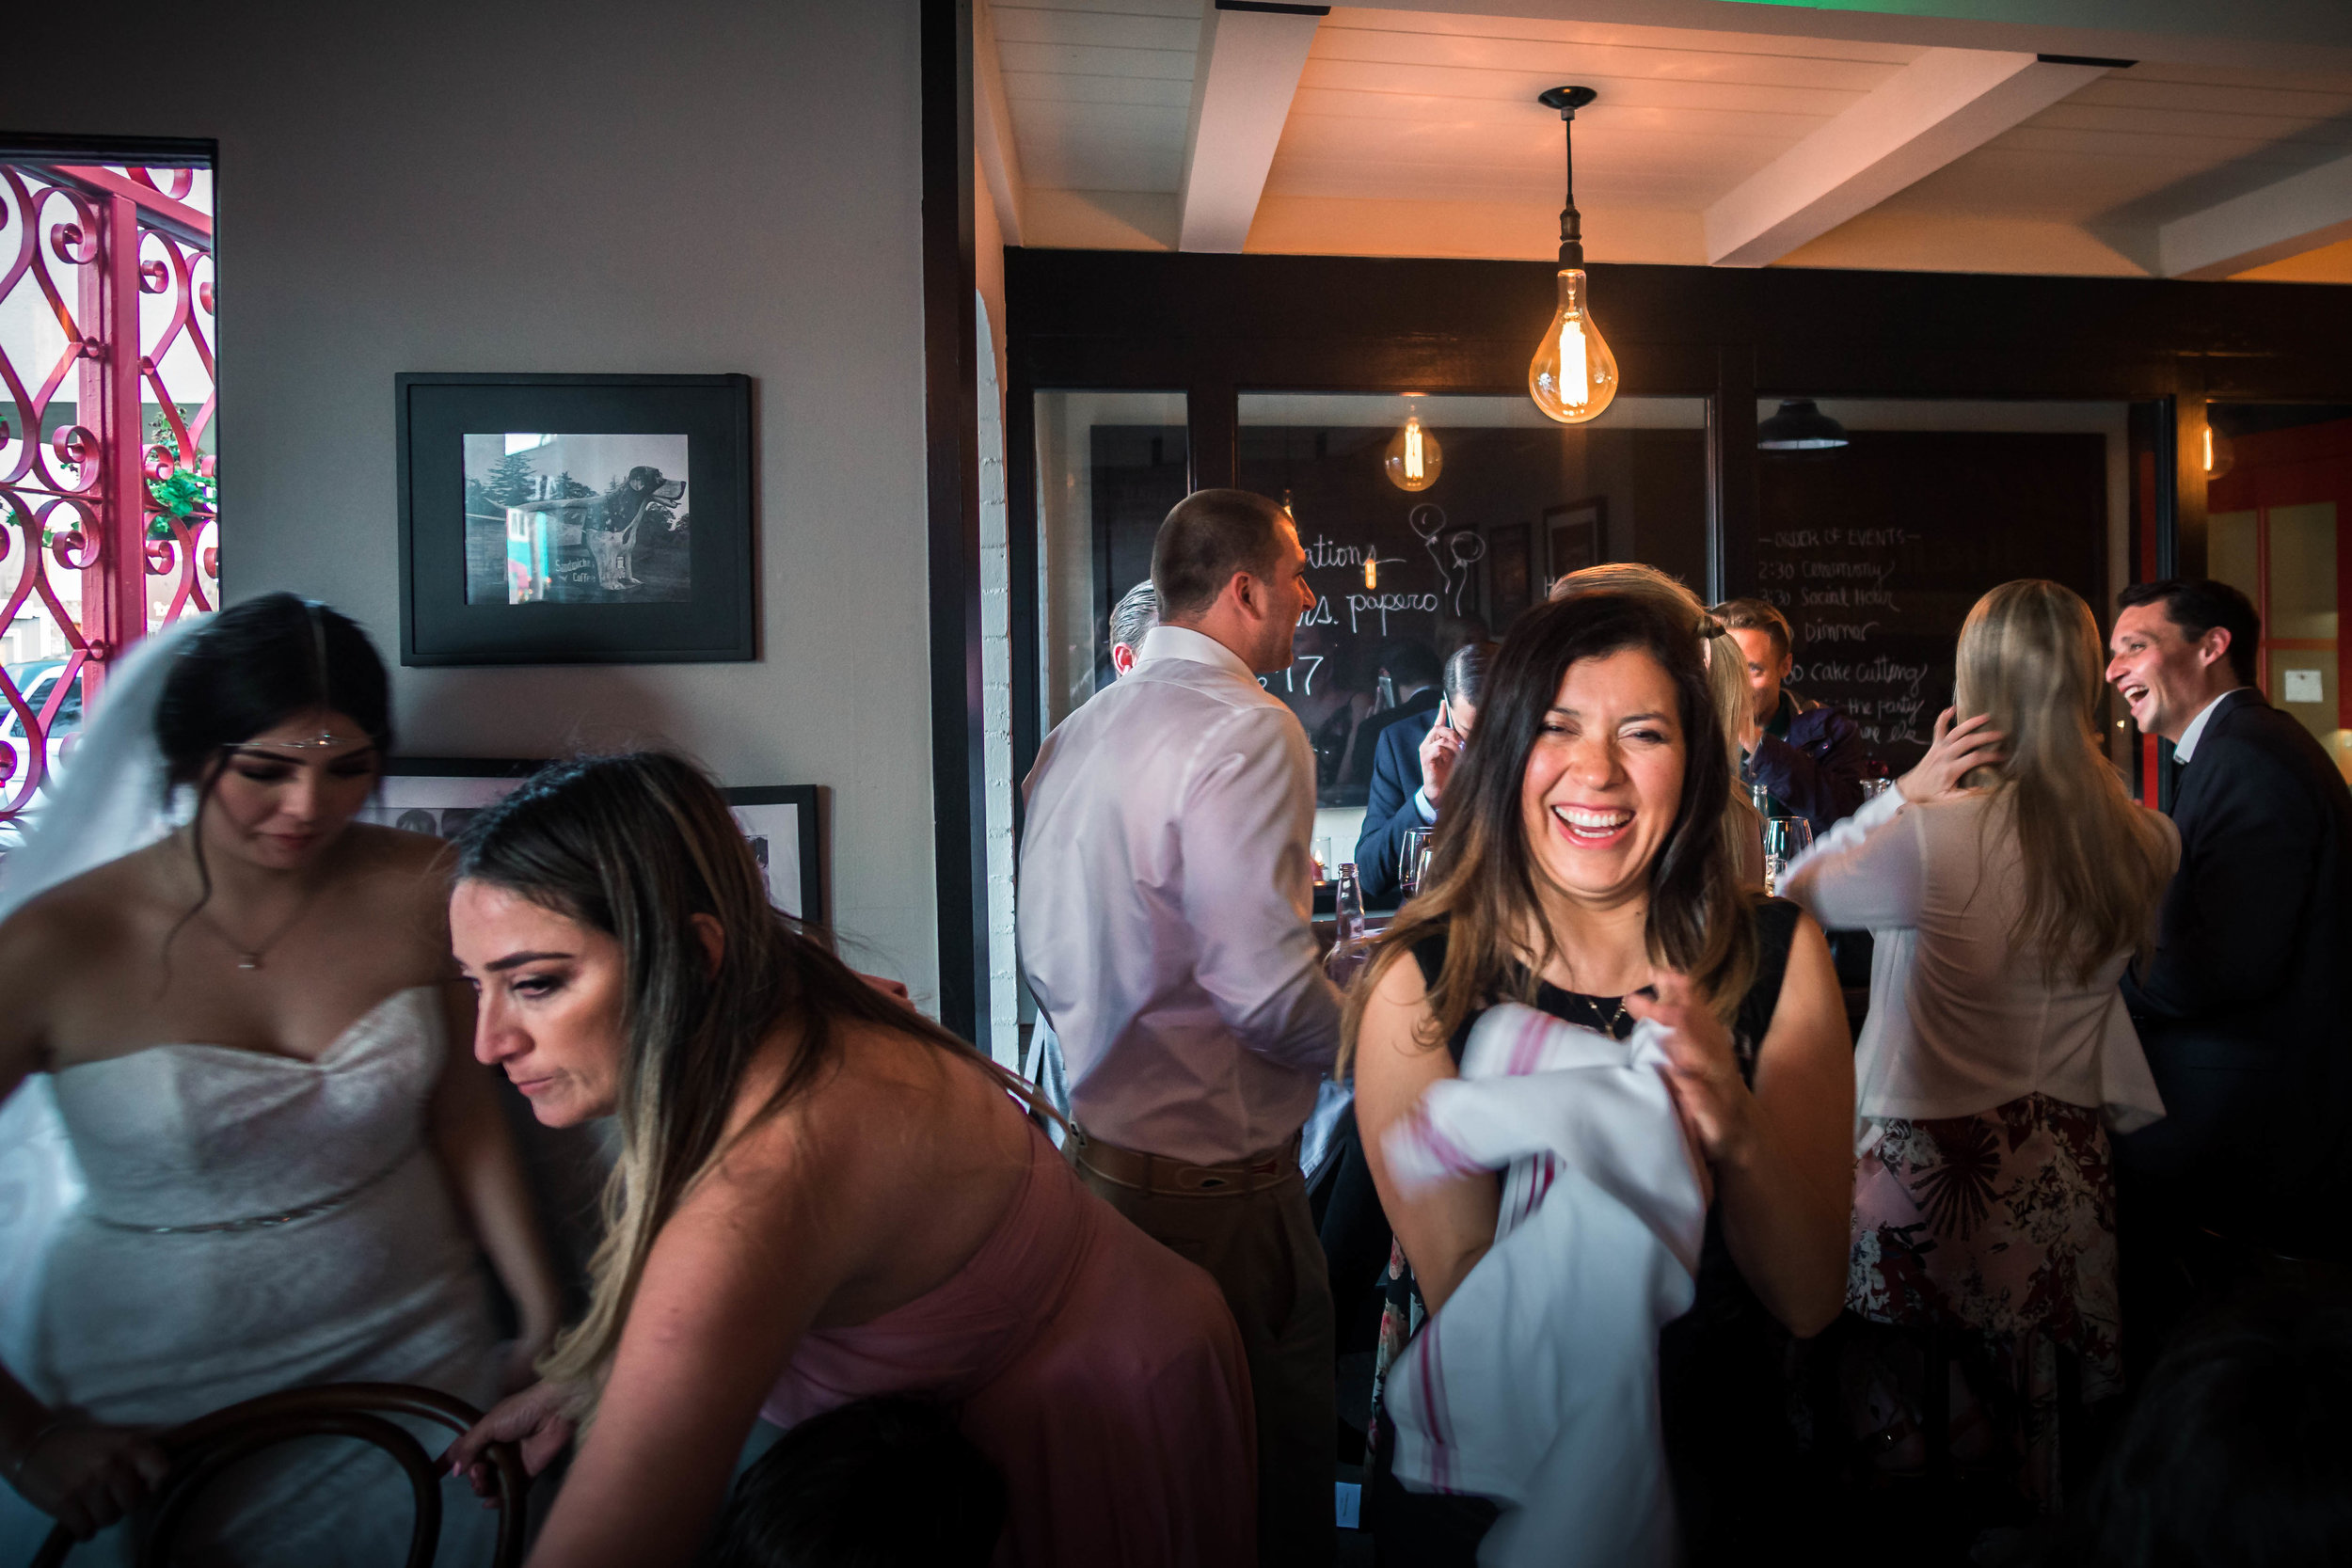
1156	320
952	466
1212	434
2188	468
1733	502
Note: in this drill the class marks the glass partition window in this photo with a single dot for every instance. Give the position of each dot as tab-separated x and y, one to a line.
1430	522
2278	495
1876	551
1109	466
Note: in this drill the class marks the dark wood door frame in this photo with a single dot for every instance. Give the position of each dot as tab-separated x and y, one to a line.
952	469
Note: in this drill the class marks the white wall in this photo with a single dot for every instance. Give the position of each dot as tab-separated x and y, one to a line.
598	186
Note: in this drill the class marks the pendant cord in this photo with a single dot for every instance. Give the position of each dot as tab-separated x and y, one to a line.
1571	222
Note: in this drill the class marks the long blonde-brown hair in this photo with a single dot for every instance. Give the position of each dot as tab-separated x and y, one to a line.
2095	863
1481	888
635	847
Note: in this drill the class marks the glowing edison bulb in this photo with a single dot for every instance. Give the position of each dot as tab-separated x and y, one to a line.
1414	459
1573	375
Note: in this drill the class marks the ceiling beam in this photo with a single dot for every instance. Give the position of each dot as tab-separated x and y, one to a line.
1944	103
1243	81
2300	213
992	126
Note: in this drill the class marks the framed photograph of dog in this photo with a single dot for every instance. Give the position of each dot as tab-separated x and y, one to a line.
574	519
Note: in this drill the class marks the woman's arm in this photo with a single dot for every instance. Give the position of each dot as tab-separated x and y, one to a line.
85	1473
733	1282
477	1150
1783	1156
1444	1230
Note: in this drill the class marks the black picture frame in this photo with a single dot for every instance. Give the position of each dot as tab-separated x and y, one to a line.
717	618
1576	535
436	795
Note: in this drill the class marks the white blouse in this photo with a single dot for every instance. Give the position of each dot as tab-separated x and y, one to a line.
1958	1022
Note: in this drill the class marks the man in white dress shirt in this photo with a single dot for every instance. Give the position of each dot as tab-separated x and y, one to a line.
1166	882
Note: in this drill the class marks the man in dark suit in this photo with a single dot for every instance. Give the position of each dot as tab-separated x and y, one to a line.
1411	763
2244	1010
1412	670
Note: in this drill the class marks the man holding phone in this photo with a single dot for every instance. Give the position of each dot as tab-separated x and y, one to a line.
1410	770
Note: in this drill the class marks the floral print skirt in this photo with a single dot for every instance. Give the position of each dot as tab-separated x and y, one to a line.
1999	1226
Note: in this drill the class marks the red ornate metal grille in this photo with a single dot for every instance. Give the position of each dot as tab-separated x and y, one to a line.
108	524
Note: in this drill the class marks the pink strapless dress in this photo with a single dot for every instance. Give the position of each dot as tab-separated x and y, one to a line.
1099	1371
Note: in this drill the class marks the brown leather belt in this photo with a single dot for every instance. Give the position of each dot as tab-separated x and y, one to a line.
1157	1173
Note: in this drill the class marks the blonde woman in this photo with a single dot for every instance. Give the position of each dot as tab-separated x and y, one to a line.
1726	685
821	1196
2009	879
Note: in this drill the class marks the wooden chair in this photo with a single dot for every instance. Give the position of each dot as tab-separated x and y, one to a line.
204	1448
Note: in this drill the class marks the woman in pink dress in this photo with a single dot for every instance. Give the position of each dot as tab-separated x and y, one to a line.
820	1196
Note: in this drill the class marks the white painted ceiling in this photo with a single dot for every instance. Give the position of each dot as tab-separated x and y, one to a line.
1416	132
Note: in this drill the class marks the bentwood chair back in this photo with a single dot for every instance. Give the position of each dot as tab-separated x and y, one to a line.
204	1448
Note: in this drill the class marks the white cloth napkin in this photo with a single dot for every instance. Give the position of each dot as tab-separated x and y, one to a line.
1536	1384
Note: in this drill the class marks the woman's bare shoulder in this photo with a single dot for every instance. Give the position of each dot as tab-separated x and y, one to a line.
83	919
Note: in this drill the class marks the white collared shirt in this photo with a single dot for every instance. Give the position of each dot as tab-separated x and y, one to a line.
2187	743
1166	891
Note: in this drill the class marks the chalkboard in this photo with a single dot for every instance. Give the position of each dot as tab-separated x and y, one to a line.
1876	552
1433	554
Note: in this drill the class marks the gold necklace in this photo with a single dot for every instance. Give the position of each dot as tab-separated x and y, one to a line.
250	958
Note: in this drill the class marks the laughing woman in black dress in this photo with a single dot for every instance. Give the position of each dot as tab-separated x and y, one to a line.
1585	869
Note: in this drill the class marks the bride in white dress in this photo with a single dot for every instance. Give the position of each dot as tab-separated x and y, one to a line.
290	1164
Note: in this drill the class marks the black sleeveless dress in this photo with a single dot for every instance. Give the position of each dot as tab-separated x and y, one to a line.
1731	1442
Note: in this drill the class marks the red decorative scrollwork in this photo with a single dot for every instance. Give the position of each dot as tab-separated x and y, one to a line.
108	515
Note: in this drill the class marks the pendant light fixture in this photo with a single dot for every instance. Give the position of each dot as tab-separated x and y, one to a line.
1800	426
1573	376
1414	458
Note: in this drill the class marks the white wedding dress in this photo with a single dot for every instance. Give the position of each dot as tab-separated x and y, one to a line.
252	1223
136	1284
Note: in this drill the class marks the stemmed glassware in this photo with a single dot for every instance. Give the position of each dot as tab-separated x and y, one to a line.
1784	839
1413	860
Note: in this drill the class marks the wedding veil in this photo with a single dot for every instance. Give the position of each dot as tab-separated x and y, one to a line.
110	801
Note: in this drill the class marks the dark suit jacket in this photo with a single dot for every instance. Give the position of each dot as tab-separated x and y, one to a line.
2244	1010
1389	812
1368	734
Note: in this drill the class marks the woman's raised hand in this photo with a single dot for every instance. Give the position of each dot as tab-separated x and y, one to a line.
1956	750
87	1475
536	1419
1701	1069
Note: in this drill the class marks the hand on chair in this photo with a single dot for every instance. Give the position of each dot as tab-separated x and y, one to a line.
537	1420
87	1475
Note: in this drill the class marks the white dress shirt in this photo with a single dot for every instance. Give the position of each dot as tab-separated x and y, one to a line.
1958	1023
2182	748
1166	889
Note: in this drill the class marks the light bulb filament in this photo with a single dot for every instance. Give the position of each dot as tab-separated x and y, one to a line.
1372	573
1413	468
1575	378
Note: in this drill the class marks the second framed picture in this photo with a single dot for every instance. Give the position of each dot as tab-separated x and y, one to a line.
440	795
1575	536
574	519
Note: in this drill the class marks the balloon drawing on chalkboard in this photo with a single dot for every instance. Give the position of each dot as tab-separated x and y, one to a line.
1467	549
1428	520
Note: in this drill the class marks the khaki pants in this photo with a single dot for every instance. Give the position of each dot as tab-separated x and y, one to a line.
1260	1249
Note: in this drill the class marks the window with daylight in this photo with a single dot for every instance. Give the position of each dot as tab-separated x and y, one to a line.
109	522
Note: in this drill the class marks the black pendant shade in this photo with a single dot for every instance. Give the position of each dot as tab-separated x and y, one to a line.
1800	426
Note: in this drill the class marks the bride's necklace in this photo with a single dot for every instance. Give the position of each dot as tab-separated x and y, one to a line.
250	958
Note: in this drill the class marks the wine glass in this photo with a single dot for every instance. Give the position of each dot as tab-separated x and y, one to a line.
1784	839
1410	860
